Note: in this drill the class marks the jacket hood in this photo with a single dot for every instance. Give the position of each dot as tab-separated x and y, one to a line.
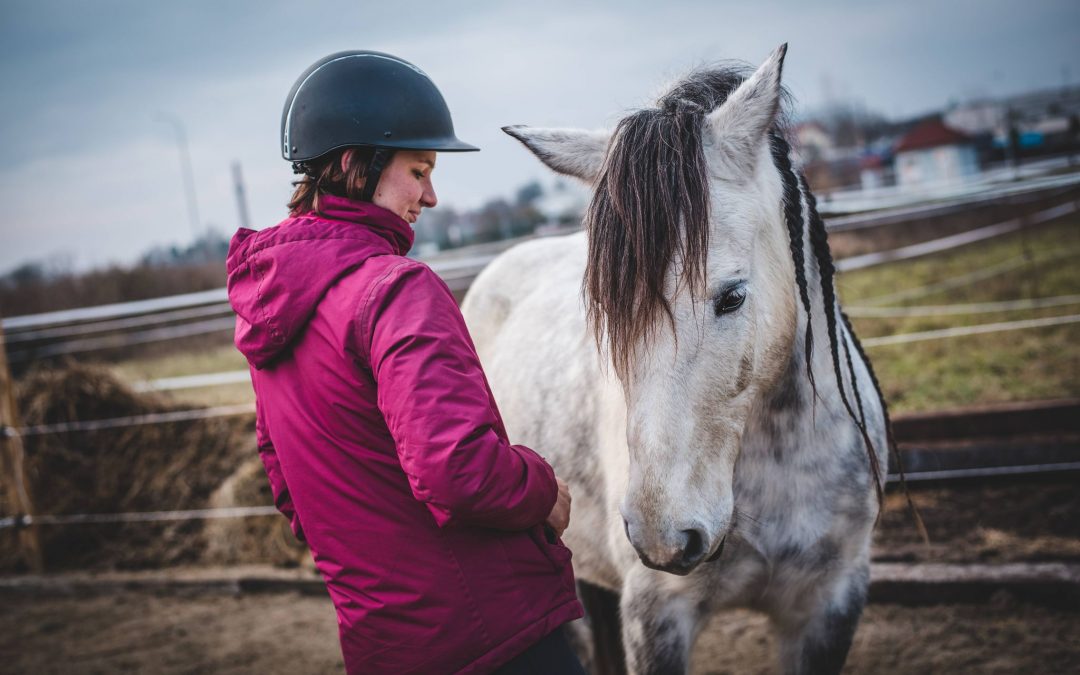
277	276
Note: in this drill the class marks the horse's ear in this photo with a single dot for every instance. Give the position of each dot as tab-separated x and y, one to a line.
739	124
573	152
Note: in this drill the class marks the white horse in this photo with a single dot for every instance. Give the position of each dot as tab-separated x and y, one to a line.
664	362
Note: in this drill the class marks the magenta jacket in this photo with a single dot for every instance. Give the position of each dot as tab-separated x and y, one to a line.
386	451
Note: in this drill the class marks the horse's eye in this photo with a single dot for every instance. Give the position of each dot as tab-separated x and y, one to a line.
729	301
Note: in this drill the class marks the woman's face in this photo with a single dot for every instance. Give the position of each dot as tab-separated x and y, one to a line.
405	185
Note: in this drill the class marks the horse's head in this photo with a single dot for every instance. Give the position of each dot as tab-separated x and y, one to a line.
689	289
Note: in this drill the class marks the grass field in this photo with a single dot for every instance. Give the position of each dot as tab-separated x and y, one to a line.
1007	366
1016	365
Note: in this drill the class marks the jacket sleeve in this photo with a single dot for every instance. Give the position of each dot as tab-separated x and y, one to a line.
435	399
282	499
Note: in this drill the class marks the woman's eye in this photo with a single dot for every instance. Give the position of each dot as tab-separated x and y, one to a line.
418	174
729	301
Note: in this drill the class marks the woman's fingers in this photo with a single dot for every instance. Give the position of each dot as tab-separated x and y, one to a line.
559	519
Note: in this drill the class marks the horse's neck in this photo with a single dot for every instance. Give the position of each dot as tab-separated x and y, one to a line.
792	408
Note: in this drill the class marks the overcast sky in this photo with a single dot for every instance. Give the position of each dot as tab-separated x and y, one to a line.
92	173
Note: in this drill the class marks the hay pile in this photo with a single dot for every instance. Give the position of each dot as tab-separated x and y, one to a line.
152	467
242	540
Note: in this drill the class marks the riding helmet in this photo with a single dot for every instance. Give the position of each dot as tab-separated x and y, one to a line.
365	98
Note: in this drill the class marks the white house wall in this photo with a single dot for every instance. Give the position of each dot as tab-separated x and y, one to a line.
944	164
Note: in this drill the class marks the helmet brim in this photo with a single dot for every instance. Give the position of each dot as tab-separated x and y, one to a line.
440	145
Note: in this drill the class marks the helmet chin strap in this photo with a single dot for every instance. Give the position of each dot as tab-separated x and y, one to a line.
374	172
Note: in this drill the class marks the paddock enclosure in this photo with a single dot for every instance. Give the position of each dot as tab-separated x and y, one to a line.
161	551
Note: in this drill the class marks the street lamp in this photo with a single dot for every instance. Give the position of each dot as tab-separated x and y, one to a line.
185	168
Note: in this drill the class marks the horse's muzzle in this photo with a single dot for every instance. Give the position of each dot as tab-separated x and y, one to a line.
680	557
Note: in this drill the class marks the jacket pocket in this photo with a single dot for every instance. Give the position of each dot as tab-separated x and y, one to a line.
550	545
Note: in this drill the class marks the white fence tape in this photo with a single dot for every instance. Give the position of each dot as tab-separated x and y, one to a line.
454	267
261	511
864	311
116	310
218	296
985	472
953	241
967	278
133	420
194	381
989	187
116	341
138	517
119	324
960	331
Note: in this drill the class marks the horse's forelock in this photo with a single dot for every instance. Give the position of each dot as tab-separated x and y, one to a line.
651	205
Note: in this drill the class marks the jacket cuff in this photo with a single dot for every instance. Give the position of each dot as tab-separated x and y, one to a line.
546	502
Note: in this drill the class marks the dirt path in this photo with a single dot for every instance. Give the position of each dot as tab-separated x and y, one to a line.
172	633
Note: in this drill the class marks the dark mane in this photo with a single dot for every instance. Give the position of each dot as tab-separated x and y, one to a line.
650	208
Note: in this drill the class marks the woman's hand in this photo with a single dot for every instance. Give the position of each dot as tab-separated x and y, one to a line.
559	519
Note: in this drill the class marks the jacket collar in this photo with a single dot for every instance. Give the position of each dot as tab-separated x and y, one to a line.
386	224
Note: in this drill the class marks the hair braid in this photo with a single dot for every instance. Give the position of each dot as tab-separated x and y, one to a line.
794	218
819	243
874	464
893	449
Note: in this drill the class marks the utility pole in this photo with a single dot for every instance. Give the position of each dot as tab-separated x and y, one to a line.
241	197
19	502
1013	141
185	169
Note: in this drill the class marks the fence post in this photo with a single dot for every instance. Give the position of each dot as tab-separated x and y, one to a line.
19	501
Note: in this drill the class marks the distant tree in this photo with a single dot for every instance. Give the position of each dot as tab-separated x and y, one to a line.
434	226
493	221
524	220
529	193
52	284
212	246
25	274
852	125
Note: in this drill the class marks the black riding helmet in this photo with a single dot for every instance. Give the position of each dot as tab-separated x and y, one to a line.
365	98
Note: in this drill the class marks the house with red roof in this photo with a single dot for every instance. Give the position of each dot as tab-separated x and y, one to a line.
933	152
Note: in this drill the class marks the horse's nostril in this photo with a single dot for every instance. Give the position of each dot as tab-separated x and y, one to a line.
719	550
694	548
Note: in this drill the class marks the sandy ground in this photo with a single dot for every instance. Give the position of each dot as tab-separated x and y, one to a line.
167	632
215	632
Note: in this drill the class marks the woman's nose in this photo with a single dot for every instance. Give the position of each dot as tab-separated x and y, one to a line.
428	199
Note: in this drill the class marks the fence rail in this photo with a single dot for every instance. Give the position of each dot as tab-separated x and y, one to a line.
458	273
460	269
920	437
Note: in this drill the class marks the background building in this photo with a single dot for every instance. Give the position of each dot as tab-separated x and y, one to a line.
932	153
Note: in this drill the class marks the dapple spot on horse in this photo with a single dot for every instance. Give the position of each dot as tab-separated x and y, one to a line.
664	361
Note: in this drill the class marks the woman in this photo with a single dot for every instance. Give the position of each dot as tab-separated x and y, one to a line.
437	538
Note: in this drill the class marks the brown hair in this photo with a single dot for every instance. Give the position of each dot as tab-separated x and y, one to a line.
324	175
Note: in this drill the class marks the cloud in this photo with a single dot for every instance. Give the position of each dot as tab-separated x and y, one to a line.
88	80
